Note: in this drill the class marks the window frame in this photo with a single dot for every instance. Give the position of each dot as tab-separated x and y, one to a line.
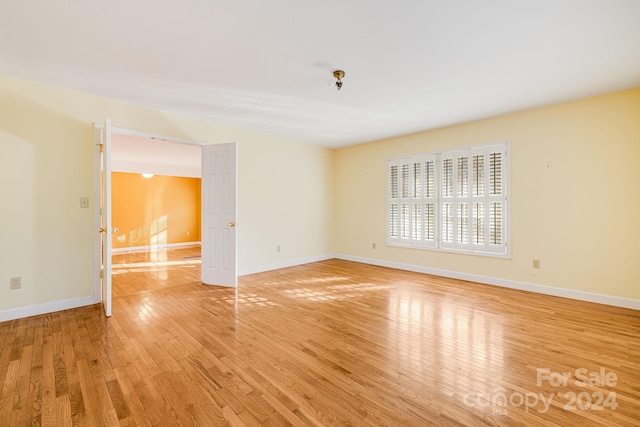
405	231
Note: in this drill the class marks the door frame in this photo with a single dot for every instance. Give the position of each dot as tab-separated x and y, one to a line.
105	216
97	129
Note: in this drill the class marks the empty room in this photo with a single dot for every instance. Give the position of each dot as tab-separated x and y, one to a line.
411	213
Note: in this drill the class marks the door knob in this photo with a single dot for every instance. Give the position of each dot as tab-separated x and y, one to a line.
102	229
232	224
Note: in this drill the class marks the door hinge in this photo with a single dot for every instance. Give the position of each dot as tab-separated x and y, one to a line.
102	273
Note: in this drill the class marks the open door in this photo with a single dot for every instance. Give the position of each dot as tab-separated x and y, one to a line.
105	215
219	177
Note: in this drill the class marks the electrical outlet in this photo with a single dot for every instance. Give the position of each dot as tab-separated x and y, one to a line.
373	246
278	248
536	263
15	283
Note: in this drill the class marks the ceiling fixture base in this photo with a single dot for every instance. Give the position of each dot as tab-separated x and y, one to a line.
339	75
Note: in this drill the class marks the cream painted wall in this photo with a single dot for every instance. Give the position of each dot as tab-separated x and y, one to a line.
575	195
46	165
573	165
290	201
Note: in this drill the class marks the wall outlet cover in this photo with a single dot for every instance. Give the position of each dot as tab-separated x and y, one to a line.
15	283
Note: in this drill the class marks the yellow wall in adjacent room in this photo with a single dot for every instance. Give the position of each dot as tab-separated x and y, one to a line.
575	195
154	211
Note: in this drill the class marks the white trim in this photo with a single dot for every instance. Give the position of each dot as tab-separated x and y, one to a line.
156	169
49	307
285	264
151	135
633	304
154	247
97	222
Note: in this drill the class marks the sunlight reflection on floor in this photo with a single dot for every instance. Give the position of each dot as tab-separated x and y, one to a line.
337	292
444	334
139	267
244	299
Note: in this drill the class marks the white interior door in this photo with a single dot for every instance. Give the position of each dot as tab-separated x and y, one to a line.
105	215
219	195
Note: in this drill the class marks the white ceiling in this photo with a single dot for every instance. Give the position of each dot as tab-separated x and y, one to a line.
410	65
134	154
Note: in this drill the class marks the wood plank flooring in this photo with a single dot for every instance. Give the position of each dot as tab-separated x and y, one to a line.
155	269
333	343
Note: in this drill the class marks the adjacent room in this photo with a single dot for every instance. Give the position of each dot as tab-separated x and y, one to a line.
356	213
156	211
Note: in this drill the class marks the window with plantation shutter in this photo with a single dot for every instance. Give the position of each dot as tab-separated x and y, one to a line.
454	201
411	201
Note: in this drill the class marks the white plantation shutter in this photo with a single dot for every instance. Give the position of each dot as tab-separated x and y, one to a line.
393	213
455	201
474	198
411	201
405	185
448	212
497	199
429	202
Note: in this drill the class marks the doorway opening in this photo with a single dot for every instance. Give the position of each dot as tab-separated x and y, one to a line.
218	199
156	214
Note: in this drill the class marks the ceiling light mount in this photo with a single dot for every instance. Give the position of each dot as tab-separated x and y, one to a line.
339	75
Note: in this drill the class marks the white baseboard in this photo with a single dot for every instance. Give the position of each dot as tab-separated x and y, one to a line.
34	310
154	247
292	263
505	283
48	307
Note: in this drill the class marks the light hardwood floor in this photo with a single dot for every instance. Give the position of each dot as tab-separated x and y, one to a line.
155	269
329	343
